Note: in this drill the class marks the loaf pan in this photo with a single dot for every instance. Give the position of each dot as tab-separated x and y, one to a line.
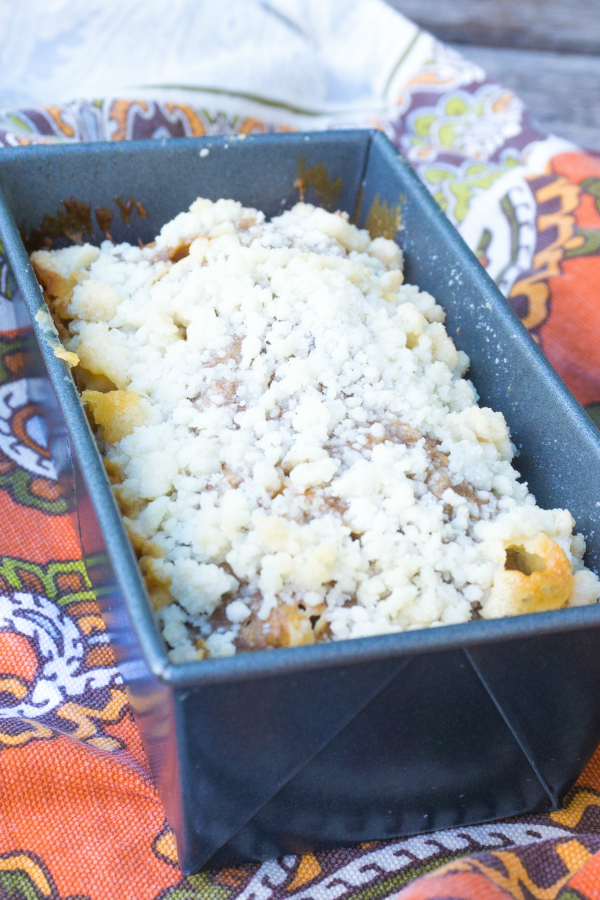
290	750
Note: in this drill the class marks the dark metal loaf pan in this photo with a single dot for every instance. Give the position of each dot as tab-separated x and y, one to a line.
288	750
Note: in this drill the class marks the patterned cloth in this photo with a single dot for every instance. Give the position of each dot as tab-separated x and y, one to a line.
80	815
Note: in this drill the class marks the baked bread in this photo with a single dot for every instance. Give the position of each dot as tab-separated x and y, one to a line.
294	447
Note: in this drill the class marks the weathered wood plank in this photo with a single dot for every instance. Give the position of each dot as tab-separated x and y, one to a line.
561	91
557	25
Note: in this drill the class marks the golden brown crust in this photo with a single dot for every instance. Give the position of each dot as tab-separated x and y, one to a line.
536	576
286	626
57	292
117	412
157	585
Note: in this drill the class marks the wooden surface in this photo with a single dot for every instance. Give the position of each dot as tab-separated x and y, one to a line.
547	51
565	26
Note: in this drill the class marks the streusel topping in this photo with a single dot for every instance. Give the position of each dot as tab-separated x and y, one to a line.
292	441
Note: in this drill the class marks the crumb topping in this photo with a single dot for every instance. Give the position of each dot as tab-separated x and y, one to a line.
291	439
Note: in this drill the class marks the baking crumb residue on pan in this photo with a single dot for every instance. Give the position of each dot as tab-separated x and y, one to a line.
74	222
318	178
383	221
126	207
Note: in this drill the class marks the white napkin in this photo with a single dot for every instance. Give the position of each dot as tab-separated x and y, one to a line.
326	61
